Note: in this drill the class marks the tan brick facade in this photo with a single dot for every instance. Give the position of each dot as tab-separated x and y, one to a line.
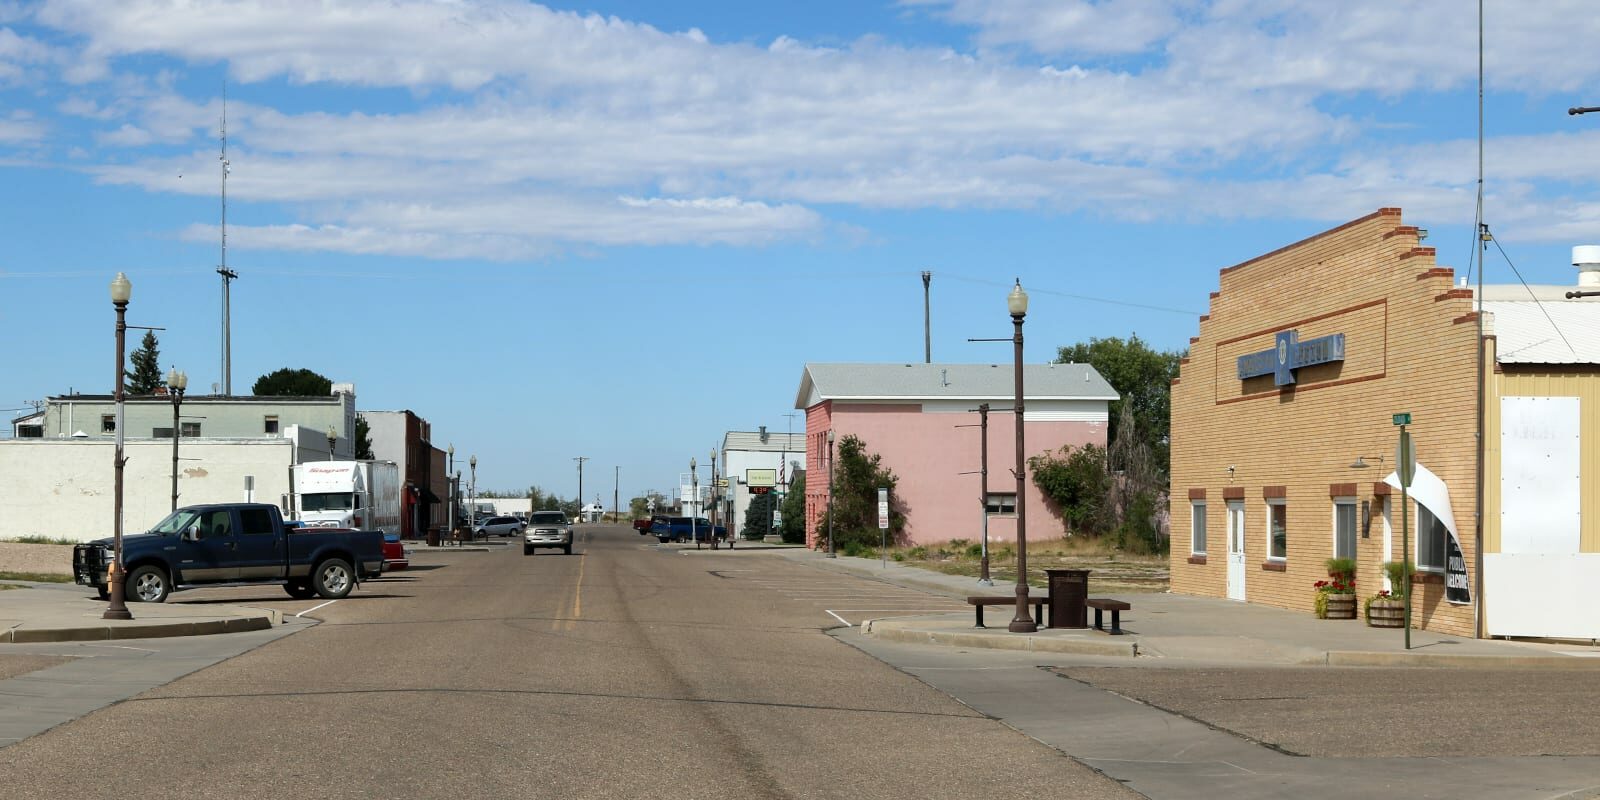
1409	347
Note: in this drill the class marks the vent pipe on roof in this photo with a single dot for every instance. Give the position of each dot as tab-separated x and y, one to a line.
1586	257
763	434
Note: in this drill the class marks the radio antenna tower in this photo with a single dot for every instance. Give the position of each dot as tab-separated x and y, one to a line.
227	274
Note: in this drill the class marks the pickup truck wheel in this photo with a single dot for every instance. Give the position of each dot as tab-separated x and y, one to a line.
147	584
333	579
300	590
527	550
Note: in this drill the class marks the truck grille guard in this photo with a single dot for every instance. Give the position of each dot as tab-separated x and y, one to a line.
89	562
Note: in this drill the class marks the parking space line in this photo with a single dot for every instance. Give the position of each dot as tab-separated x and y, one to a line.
837	617
315	607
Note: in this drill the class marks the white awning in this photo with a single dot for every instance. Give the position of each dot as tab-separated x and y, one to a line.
1431	493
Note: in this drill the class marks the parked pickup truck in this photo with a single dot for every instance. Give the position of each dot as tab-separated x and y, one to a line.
680	529
243	543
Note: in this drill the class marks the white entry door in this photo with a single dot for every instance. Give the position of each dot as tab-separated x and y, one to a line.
1235	550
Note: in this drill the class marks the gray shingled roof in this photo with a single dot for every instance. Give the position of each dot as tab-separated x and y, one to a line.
951	382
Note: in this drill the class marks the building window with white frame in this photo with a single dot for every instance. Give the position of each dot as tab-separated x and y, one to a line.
1277	530
270	425
1197	528
1344	527
1001	503
1431	535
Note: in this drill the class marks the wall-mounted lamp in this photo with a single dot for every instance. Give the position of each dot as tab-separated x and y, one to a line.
1422	234
1230	473
1361	462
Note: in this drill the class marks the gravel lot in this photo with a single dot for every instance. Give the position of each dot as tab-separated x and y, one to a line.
55	559
12	666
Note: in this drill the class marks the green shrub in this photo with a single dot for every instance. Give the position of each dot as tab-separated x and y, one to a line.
918	553
975	550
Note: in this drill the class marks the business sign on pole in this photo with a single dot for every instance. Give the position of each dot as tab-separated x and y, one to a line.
761	477
883	509
777	518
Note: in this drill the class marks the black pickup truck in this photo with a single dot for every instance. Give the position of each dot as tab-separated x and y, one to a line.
241	543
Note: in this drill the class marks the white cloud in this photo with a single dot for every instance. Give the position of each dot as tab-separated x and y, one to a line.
1118	27
533	131
20	127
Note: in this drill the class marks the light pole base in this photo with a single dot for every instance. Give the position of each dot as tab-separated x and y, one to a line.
832	555
985	582
119	601
1023	626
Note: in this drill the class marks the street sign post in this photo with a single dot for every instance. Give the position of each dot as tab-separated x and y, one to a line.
1405	458
883	526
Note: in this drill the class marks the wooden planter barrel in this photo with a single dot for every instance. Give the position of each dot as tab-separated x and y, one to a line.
1341	606
1386	614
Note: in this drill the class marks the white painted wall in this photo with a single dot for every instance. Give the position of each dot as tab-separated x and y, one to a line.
63	488
736	462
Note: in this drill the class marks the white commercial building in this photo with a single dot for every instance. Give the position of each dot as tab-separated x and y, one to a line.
782	454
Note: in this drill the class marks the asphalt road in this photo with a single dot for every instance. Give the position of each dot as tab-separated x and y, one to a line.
625	670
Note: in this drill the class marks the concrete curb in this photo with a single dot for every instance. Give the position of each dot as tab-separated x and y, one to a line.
896	631
155	630
1367	658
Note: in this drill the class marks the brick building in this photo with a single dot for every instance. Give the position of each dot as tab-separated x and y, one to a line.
1283	434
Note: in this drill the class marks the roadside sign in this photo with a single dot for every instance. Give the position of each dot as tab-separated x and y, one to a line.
883	509
761	477
1405	457
1402	419
777	518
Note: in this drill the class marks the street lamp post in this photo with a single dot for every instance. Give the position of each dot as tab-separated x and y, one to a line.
449	473
472	512
177	382
831	554
333	439
1021	621
694	491
121	291
715	500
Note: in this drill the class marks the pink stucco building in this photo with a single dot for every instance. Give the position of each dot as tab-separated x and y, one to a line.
910	413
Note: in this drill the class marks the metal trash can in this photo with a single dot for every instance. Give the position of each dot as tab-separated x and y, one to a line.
1069	596
433	536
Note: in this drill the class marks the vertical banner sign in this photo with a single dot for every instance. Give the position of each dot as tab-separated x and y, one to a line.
883	509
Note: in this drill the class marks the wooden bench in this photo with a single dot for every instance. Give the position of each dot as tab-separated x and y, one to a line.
1116	607
979	601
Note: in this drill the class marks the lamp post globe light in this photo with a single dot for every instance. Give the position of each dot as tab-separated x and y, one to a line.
333	439
715	499
694	508
177	383
121	292
1021	621
472	488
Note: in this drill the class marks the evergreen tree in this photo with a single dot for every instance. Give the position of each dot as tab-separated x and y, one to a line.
794	510
363	438
292	383
857	477
145	377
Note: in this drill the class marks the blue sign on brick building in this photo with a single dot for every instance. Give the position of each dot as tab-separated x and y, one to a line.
1290	354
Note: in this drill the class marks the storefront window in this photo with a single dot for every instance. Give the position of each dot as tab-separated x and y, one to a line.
1431	534
1344	528
1278	530
1197	528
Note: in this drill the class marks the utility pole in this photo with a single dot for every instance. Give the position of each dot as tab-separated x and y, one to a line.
616	482
927	324
580	460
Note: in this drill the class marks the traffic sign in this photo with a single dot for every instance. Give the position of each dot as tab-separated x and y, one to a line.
883	509
1405	456
1402	419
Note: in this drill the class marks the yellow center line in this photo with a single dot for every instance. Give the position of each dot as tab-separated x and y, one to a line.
577	591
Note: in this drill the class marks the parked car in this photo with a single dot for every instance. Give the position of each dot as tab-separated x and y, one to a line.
498	526
686	529
394	553
547	529
233	543
643	524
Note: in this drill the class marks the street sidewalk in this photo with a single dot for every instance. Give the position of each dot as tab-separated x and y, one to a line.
1195	629
65	612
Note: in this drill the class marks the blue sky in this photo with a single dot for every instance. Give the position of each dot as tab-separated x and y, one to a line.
618	229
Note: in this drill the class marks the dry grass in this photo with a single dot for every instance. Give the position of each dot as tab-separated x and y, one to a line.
1111	570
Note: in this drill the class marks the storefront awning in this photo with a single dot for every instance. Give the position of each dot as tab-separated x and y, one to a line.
1431	493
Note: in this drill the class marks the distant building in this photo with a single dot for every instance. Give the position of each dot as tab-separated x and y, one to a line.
404	438
779	455
209	416
910	414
